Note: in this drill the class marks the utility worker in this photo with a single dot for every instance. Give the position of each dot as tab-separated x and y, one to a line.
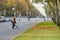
14	22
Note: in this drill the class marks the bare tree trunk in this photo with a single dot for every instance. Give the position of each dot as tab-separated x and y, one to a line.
56	12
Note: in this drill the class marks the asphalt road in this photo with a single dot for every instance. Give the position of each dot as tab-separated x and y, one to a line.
6	31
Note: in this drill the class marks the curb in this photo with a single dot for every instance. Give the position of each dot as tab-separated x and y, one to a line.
23	31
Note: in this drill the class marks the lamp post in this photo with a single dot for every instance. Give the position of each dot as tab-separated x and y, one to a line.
43	1
14	12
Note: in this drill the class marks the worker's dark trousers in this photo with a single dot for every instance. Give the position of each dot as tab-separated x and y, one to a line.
13	25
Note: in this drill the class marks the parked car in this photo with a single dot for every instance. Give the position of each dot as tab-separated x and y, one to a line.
2	18
7	19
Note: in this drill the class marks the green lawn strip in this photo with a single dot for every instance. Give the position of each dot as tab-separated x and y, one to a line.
40	34
49	23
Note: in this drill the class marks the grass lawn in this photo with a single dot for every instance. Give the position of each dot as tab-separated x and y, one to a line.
42	31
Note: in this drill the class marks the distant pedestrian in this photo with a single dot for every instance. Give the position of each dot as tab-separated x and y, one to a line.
29	18
19	17
44	19
53	19
14	23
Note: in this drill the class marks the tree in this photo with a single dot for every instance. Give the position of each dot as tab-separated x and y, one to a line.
54	6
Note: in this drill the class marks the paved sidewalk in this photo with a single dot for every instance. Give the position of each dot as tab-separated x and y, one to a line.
6	31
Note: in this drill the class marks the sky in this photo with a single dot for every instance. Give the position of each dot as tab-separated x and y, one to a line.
39	7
